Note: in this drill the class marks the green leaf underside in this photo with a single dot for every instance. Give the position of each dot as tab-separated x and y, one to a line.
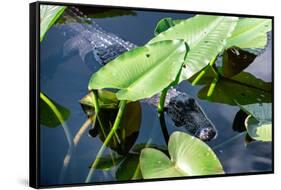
189	157
48	16
250	33
259	121
248	89
205	36
157	64
48	117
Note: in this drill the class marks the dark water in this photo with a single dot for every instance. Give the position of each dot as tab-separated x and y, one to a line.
65	80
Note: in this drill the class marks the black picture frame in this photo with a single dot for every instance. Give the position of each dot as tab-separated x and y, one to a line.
34	91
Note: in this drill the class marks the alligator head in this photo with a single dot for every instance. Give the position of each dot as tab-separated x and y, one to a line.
186	112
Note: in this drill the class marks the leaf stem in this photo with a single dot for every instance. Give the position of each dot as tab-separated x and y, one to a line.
212	87
67	133
161	115
204	71
120	113
60	118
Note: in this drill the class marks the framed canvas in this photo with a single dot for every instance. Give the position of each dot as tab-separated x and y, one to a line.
122	94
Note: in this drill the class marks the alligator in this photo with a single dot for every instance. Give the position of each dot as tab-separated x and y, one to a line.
89	37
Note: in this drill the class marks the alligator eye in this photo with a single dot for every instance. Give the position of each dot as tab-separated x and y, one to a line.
191	101
179	104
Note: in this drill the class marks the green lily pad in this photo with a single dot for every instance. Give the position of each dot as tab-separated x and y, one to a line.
48	16
106	100
259	122
250	33
189	156
157	64
205	35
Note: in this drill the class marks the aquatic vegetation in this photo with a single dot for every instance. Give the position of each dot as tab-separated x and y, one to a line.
51	113
189	156
211	51
206	39
133	70
205	36
259	121
48	16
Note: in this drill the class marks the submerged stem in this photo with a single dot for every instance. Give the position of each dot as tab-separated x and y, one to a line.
120	113
161	115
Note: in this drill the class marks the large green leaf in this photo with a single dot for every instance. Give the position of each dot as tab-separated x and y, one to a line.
205	35
250	33
48	16
156	64
243	88
51	113
189	156
259	121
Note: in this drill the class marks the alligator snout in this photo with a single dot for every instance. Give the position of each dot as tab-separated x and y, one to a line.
185	111
206	133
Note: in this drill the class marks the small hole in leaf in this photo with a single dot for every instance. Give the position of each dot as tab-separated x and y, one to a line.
147	55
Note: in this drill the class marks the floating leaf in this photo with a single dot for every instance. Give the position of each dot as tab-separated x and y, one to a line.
250	33
106	100
189	157
257	130
243	88
48	16
129	168
259	122
205	36
51	113
235	60
157	64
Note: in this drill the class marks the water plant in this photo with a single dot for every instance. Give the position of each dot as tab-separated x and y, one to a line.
212	51
189	50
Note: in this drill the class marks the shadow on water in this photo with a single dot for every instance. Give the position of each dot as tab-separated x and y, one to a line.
65	79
